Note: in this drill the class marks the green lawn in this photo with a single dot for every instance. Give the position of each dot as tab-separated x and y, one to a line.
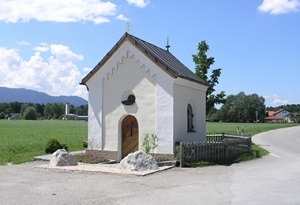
250	128
22	140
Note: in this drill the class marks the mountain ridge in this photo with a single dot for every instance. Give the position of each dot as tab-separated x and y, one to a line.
24	95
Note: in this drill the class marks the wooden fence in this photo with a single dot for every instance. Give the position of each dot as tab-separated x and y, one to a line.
219	147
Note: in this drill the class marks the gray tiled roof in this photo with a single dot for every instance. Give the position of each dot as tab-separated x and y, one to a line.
161	56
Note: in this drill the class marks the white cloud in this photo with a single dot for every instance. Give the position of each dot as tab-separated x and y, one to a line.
122	17
86	70
279	6
138	3
64	54
281	102
22	43
43	48
58	75
56	10
278	101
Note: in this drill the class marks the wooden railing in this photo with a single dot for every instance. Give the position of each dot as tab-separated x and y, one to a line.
219	147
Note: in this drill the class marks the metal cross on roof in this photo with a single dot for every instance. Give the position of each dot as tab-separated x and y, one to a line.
128	26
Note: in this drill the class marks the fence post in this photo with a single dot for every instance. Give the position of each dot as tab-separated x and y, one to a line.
181	154
223	133
250	144
226	150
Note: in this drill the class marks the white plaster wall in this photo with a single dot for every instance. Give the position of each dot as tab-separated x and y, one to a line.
129	70
165	109
95	114
129	76
184	92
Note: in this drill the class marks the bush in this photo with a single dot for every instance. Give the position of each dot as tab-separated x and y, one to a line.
85	144
2	115
177	150
53	144
30	113
149	143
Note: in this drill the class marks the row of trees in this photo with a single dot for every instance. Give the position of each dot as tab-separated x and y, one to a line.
240	108
48	111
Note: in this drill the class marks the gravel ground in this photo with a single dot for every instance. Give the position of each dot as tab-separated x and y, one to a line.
25	184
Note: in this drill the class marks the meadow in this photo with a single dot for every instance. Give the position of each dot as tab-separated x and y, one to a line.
21	140
249	128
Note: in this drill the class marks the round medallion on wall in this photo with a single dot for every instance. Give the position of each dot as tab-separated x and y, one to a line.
128	98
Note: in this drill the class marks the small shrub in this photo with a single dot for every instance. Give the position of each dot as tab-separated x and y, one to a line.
149	143
85	144
177	150
52	145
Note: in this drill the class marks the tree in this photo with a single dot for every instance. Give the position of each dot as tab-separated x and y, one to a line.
30	113
2	115
241	108
23	108
15	106
48	111
58	109
203	64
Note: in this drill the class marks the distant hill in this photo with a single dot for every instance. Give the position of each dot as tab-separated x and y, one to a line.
31	96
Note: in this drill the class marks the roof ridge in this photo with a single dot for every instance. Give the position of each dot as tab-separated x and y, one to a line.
147	42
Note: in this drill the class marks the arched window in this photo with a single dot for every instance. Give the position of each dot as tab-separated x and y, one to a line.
190	119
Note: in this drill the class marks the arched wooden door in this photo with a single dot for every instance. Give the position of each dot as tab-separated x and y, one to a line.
130	135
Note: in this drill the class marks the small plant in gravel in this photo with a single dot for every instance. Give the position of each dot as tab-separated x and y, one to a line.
150	142
91	158
162	159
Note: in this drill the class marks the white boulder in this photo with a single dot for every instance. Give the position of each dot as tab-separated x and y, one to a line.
62	158
138	161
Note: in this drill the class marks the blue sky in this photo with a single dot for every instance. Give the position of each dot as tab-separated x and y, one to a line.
50	46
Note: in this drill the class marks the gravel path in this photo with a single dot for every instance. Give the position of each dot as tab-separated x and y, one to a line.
24	184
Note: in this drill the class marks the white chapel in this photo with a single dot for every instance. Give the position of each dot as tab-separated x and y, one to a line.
137	89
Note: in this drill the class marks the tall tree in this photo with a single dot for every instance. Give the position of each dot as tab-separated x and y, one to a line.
58	109
203	64
241	108
30	113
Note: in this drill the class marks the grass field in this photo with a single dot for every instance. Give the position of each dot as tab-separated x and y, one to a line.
250	128
21	141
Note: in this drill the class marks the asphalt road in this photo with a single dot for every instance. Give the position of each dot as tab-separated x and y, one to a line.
273	179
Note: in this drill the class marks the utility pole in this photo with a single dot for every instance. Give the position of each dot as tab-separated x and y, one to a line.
256	115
